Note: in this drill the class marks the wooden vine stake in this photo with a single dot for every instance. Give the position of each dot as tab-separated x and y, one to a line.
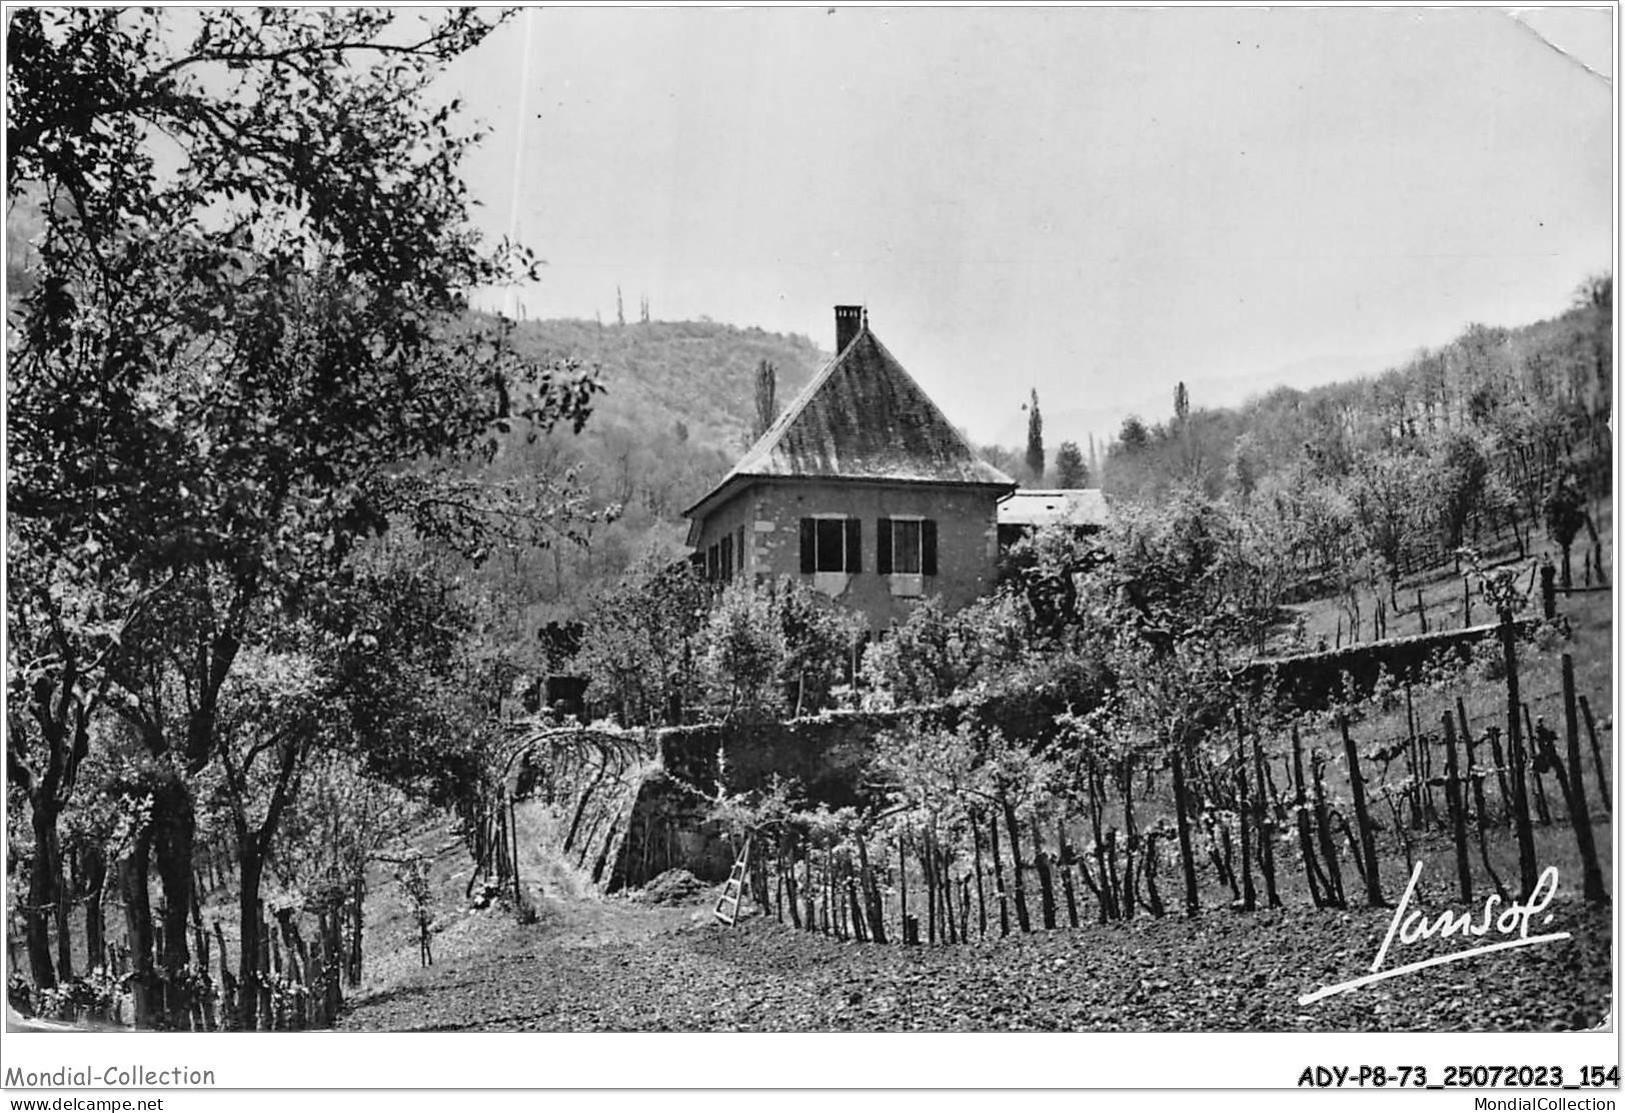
1596	756
1319	889
1579	813
1520	799
1458	807
1368	841
1182	818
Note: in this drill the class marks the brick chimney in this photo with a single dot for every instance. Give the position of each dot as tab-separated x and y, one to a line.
849	321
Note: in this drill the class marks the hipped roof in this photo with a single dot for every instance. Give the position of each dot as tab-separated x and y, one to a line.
861	418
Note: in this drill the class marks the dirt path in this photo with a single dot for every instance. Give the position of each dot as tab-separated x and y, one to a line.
610	965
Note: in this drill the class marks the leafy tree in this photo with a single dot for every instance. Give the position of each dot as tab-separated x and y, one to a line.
1389	495
1565	513
644	643
1046	569
1182	403
745	653
1005	459
1245	467
229	355
1133	435
821	640
1035	442
1460	474
1070	470
921	661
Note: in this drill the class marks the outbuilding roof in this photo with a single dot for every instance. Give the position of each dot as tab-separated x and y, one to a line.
1046	508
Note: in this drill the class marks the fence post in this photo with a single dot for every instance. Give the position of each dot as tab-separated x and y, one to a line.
1579	813
1368	842
1603	784
1518	759
1458	807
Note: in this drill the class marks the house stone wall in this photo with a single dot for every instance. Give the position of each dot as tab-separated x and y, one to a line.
771	511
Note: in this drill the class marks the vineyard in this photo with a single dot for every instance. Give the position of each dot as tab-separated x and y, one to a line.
980	840
1305	827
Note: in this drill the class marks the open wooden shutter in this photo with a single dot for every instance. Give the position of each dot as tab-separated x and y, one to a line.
809	545
854	545
928	547
883	546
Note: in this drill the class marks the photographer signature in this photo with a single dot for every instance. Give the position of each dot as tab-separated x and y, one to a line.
1410	927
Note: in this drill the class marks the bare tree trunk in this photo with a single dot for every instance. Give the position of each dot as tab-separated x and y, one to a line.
1014	830
174	826
877	907
1244	818
1046	882
998	876
1066	872
249	974
1187	857
44	890
976	858
1130	838
95	916
138	927
910	935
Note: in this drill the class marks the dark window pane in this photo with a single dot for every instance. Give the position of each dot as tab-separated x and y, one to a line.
831	545
928	547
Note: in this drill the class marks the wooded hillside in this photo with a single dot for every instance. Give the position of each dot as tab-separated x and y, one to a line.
677	409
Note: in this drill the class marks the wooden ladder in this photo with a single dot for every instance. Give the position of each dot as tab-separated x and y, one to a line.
728	903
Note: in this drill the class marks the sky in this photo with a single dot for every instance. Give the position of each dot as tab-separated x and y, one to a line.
1096	203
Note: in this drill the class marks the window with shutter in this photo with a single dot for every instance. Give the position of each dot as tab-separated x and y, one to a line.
905	554
809	545
906	546
831	545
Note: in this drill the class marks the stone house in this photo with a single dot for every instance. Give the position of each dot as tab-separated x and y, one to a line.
861	488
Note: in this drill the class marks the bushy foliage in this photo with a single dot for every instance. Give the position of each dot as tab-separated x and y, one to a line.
642	649
821	643
744	654
1381	476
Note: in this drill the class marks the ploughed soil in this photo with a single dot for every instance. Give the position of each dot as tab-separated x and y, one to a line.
616	964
